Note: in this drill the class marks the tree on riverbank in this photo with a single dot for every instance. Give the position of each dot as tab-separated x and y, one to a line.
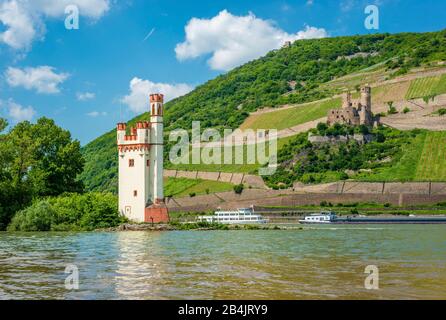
36	160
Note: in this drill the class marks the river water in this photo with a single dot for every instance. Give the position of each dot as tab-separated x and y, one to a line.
325	262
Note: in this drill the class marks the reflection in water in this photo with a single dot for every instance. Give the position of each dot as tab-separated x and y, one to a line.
318	262
140	267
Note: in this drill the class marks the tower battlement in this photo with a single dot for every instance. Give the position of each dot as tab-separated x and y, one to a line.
139	133
157	98
143	125
156	103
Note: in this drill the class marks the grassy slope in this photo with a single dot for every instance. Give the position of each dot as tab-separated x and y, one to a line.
233	167
423	160
441	86
287	118
427	86
390	92
432	164
180	187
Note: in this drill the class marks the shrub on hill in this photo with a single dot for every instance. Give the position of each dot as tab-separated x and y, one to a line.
238	188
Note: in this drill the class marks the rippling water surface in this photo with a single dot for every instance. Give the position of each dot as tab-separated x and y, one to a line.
315	263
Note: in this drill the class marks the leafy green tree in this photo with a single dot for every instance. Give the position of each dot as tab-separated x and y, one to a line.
36	160
44	156
57	160
19	146
392	109
12	199
3	124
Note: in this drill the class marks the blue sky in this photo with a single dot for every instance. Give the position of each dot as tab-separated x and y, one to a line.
90	78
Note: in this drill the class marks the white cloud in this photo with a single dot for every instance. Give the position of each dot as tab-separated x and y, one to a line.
20	25
234	40
95	114
43	79
311	33
19	113
24	19
138	98
84	96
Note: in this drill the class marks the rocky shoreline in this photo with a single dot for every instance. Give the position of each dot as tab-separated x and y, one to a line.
171	227
140	227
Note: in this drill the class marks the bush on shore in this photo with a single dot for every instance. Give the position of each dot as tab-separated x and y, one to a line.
69	212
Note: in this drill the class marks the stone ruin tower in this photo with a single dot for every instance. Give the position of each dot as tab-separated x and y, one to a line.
365	107
354	112
141	197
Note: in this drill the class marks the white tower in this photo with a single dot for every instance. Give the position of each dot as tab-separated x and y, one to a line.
141	196
157	144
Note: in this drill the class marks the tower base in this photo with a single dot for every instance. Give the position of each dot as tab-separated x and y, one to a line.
157	213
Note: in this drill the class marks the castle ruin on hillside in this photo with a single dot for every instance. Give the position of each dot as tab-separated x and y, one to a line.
354	112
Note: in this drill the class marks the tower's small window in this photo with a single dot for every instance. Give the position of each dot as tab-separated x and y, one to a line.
148	163
131	162
135	193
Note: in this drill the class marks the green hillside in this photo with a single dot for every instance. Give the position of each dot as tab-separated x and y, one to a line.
233	167
182	187
290	117
225	102
423	87
416	155
423	159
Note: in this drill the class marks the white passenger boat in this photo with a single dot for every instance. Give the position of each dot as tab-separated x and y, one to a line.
323	217
331	217
239	216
